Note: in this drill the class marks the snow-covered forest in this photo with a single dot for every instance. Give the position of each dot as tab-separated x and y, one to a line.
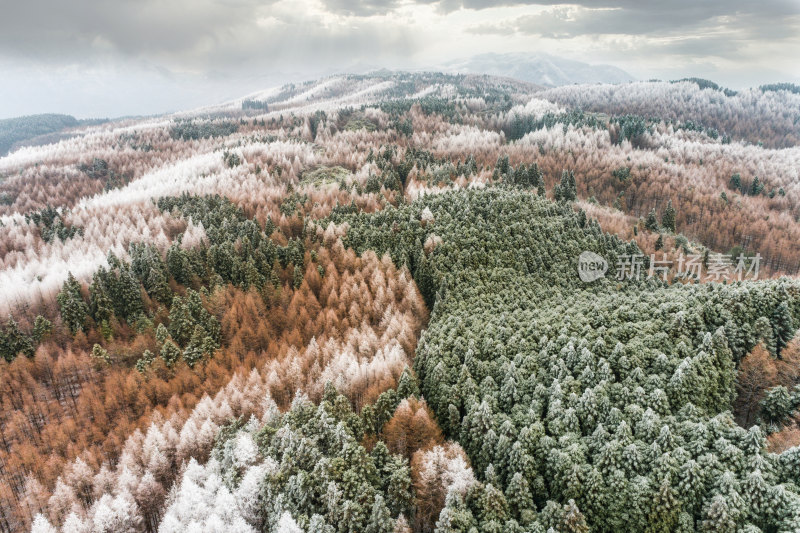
353	304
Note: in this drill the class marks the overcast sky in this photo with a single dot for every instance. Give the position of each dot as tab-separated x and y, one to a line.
117	57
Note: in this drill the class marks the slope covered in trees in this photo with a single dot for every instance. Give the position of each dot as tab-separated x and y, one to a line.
606	405
14	130
767	115
341	320
214	320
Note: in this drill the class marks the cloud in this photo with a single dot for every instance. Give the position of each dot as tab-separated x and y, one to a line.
604	18
674	10
193	34
218	34
366	8
680	28
44	27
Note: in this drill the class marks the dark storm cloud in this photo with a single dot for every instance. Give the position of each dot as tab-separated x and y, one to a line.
757	19
681	27
198	35
674	11
42	29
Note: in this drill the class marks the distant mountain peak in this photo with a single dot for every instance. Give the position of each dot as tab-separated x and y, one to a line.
540	68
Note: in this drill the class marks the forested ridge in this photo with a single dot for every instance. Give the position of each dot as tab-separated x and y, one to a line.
612	398
15	131
354	305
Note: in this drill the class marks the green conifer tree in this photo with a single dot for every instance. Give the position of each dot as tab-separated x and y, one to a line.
380	520
651	222
70	302
170	353
783	328
668	217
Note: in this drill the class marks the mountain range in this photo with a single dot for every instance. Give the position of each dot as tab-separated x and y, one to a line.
539	68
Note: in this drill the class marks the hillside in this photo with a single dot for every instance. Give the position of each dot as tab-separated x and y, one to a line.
540	68
359	304
37	130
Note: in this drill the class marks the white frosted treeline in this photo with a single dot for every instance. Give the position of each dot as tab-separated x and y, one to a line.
149	459
33	270
751	113
327	94
95	140
468	140
445	465
537	107
203	503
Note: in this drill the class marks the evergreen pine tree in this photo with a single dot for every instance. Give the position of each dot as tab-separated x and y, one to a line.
566	190
668	217
41	328
664	510
782	327
178	264
380	521
777	405
502	167
717	517
162	334
764	333
100	304
735	182
407	384
170	353
157	286
130	295
144	361
520	500
100	354
651	222
70	302
13	341
397	482
574	521
194	349
494	507
756	187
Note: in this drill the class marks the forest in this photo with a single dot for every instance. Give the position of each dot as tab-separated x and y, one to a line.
354	305
33	128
